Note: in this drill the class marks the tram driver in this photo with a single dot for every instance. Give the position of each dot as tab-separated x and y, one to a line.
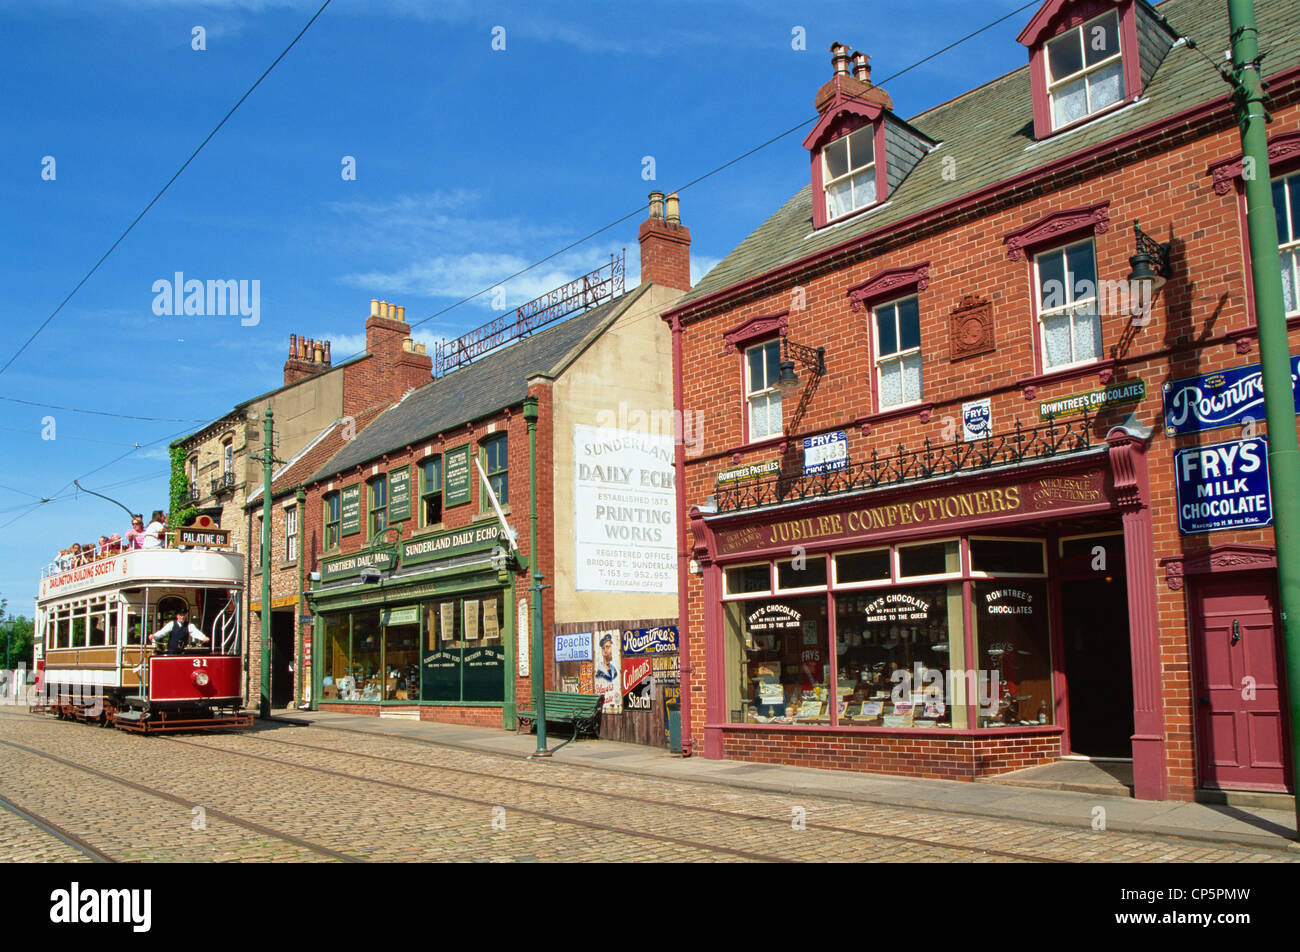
173	637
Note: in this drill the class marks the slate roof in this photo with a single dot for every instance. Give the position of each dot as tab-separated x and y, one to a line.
487	385
989	132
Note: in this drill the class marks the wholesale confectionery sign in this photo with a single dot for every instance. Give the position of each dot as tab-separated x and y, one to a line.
1223	398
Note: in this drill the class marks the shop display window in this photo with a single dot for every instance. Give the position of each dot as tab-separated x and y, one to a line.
778	651
364	664
896	648
804	572
336	683
464	652
1010	618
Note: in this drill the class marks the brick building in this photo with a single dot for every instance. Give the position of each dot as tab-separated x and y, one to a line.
315	398
934	524
419	608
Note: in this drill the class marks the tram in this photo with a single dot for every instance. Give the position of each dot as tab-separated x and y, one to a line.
96	660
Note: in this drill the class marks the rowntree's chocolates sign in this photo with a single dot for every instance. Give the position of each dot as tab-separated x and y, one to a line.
1045	494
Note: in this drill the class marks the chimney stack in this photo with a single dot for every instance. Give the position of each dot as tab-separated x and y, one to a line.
665	244
845	85
398	362
307	357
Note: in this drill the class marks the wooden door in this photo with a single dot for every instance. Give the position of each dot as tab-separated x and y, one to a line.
1239	684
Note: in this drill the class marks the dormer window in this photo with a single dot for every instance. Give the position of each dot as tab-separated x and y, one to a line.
1085	69
849	171
1087	57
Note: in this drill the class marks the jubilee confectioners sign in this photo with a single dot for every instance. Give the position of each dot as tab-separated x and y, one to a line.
1045	494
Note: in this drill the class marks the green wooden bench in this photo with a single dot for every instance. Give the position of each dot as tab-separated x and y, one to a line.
581	710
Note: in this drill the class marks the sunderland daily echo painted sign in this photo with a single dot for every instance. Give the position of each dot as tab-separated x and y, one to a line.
1223	398
1224	486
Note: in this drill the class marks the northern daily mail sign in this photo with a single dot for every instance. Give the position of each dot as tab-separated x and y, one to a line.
1223	398
1224	486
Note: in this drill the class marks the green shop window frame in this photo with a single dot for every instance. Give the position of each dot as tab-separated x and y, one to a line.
376	505
431	491
496	462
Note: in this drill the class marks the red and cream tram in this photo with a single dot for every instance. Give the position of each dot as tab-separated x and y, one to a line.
95	657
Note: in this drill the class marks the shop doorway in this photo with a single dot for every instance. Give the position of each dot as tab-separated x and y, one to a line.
281	658
1098	663
1237	684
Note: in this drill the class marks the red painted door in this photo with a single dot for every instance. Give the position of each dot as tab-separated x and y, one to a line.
1238	685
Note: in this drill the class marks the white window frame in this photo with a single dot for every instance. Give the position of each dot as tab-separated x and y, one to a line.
1070	306
901	579
1054	83
728	595
228	456
852	173
766	394
1290	196
809	559
291	534
875	583
899	355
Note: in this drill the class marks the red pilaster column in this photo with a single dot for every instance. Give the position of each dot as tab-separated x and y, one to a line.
715	688
1128	446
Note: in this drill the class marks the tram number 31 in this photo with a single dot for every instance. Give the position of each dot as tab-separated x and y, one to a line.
200	662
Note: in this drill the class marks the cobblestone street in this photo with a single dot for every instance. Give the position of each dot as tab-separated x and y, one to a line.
279	793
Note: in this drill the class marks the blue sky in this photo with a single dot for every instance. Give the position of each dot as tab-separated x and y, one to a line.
471	163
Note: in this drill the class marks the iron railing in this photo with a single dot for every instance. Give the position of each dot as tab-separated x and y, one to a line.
931	460
223	482
580	294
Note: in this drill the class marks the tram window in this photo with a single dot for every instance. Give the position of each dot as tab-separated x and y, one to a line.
112	626
78	630
97	632
133	626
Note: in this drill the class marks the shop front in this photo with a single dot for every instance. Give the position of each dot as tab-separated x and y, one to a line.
922	629
421	629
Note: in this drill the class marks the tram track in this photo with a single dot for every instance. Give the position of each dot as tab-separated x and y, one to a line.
173	798
494	803
736	814
66	837
784	822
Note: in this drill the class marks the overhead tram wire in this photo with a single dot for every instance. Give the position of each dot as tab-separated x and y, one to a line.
161	191
712	172
119	416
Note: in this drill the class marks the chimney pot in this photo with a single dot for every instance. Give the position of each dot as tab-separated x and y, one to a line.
293	345
840	58
408	345
318	352
401	313
656	204
674	214
327	352
861	66
374	307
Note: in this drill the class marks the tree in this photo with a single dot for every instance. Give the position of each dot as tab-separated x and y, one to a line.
18	634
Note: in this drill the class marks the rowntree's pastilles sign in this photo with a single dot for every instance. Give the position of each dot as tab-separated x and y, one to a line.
1223	398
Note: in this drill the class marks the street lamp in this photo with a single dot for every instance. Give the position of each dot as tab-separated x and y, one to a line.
1150	264
812	358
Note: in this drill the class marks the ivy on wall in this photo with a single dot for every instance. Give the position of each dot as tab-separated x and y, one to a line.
182	513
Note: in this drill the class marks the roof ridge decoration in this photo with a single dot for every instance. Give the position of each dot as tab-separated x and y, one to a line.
1057	224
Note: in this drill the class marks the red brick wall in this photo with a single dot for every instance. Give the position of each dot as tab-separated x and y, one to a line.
1162	182
474	716
905	755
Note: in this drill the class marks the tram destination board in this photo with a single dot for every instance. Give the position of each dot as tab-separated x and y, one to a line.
202	537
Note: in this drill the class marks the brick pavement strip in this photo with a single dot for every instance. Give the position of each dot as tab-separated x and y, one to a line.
286	779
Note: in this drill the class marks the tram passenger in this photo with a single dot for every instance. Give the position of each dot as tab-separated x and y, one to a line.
177	634
135	535
153	532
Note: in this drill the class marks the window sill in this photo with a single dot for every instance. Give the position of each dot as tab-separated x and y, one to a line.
490	514
1104	369
923	409
1099	116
